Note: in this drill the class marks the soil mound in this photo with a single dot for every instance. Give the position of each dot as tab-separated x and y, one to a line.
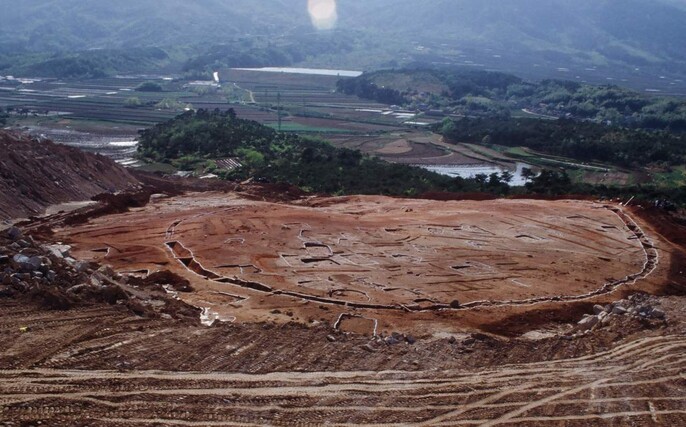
34	175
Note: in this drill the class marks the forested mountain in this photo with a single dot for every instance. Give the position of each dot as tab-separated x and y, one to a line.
40	25
638	28
509	35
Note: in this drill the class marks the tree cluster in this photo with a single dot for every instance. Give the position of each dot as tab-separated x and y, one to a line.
583	141
269	156
491	94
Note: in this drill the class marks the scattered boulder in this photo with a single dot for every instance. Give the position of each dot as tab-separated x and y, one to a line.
106	270
14	233
391	340
656	313
46	274
26	264
95	281
369	347
637	306
588	322
645	311
59	251
619	310
77	289
82	266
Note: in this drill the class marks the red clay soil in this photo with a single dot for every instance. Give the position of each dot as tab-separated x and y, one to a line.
411	265
103	366
34	175
672	228
120	365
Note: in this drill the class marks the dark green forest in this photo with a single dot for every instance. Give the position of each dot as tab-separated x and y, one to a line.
316	166
491	94
458	83
269	156
581	140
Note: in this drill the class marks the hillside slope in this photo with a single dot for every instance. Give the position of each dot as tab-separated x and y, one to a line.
40	25
628	34
34	175
585	32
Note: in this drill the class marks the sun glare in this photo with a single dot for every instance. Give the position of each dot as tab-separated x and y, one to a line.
323	13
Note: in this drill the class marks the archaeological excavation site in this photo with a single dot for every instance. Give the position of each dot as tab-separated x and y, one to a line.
183	302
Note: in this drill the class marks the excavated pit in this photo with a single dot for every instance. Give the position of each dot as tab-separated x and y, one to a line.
408	260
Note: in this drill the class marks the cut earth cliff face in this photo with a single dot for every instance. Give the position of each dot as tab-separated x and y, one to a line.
35	175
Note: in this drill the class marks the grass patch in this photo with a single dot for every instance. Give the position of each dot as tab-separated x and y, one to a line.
518	152
673	178
543	160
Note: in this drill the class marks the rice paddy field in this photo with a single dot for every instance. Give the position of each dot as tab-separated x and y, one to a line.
101	114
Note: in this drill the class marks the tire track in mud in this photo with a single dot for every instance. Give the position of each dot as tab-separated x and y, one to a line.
626	384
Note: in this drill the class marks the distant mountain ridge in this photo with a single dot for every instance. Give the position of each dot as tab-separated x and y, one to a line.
40	25
629	34
635	32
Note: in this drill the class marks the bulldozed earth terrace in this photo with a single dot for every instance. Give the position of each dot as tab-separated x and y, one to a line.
254	305
370	264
